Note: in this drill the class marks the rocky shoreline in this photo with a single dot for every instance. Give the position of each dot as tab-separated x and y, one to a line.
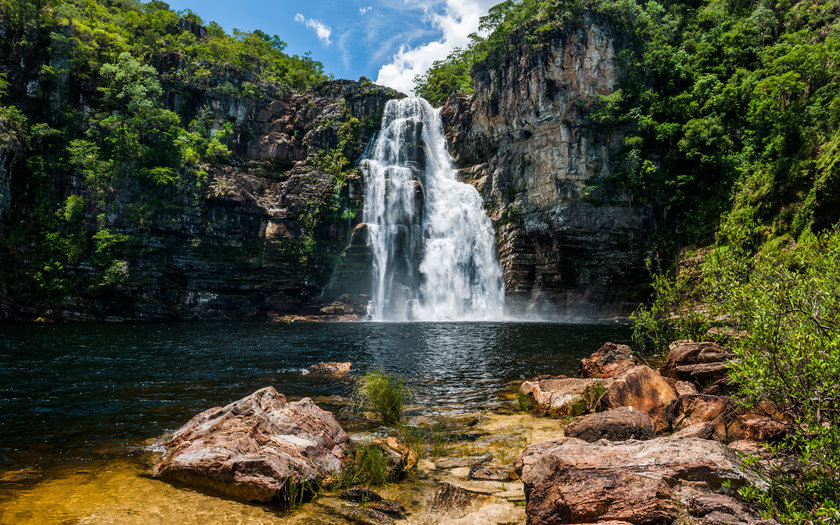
623	444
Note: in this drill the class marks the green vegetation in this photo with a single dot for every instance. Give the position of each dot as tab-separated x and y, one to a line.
106	95
383	394
779	310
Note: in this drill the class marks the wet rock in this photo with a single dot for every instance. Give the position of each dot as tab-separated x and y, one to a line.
330	369
389	507
491	473
609	361
618	424
467	461
697	362
256	448
400	458
643	389
572	481
562	396
448	497
360	495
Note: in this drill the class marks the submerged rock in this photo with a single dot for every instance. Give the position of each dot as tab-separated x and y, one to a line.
643	389
572	481
609	361
490	473
562	396
330	369
618	424
259	448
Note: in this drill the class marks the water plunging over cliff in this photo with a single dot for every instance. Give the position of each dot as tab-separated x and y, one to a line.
433	244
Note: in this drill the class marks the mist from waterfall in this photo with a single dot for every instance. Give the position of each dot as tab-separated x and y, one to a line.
433	245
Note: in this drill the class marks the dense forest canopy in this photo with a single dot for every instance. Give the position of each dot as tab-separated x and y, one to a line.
82	90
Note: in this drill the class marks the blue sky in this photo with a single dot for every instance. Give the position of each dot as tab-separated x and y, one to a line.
387	41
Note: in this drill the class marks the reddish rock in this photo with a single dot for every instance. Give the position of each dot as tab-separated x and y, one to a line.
697	362
699	430
685	388
690	410
562	396
758	427
400	459
615	425
609	361
718	509
643	389
721	387
572	481
331	369
252	449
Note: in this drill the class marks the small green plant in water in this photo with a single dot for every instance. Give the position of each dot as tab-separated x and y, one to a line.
524	401
382	394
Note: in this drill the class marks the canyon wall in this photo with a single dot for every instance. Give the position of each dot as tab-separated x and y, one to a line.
571	242
258	235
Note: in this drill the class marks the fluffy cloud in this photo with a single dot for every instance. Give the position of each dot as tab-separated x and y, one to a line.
363	10
455	20
323	31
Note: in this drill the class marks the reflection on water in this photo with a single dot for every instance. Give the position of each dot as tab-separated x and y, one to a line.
84	392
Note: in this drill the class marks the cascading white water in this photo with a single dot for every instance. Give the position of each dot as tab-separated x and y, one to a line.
433	244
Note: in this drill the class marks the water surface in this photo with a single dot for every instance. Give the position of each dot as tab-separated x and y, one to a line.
82	392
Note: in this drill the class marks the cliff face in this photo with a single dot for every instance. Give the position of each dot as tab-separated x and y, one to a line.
263	234
570	243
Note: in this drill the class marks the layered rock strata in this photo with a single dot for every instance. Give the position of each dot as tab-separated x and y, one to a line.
571	241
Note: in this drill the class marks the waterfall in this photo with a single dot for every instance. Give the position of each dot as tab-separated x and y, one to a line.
433	245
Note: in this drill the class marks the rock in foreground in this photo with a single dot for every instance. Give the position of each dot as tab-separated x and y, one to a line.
259	448
572	481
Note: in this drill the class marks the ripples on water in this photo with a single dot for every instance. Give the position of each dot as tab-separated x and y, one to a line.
71	392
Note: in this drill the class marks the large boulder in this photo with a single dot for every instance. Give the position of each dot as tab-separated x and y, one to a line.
704	362
609	361
562	396
618	424
571	481
643	389
259	448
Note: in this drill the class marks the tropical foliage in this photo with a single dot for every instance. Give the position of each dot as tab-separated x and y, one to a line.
91	88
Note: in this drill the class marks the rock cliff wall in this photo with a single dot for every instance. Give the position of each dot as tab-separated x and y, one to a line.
571	243
263	235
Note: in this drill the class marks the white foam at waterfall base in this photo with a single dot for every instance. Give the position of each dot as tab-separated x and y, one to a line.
433	245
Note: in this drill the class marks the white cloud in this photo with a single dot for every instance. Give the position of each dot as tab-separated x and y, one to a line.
363	10
323	31
455	22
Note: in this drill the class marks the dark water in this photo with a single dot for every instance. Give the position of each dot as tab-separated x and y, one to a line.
75	392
